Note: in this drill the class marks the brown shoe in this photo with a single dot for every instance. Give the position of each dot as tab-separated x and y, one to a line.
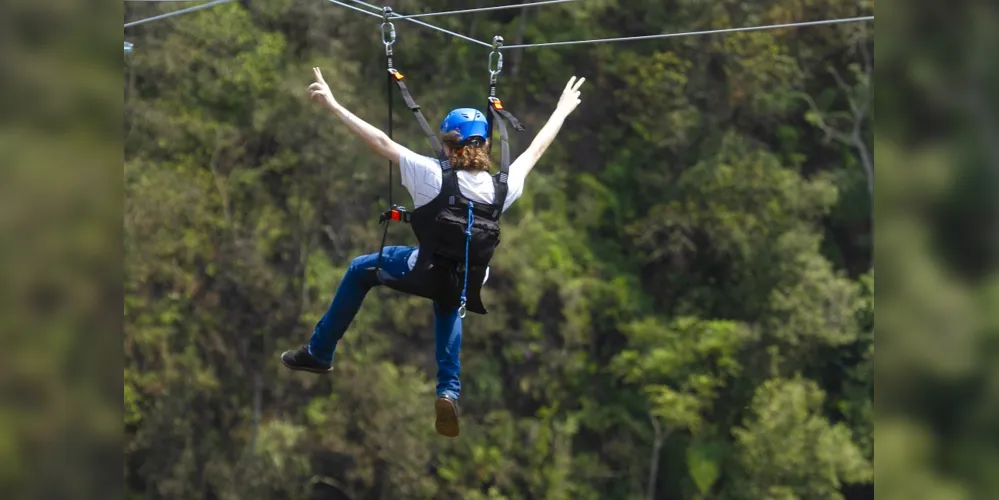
447	416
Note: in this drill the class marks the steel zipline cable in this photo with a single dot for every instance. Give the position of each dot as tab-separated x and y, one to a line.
601	40
486	9
690	33
177	12
379	12
397	16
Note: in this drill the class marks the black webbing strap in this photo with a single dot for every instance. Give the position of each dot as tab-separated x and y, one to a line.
495	102
514	122
388	97
504	173
497	115
397	77
435	143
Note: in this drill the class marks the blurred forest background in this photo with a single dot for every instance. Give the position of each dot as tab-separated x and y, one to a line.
682	306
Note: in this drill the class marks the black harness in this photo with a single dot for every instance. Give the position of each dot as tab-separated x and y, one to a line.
457	236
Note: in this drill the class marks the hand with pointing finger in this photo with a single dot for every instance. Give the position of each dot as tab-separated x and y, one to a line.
321	92
570	96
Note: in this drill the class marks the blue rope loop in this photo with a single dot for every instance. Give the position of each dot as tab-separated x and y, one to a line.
468	239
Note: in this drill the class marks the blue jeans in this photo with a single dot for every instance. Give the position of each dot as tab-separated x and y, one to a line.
347	301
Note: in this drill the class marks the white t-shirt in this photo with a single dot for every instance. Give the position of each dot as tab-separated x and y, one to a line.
421	176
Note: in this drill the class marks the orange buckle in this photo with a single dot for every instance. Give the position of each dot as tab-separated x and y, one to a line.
496	102
395	74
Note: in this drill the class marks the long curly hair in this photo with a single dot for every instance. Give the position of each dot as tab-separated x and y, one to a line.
470	157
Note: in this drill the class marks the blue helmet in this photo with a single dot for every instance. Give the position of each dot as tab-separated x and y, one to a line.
467	122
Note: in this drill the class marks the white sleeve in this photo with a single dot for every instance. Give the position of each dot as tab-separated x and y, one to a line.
421	176
514	187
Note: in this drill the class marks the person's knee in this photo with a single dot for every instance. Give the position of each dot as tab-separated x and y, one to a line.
359	263
360	270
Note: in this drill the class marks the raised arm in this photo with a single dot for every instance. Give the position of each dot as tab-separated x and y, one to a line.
566	104
378	141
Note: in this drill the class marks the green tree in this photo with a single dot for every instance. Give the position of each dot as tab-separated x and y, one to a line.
787	449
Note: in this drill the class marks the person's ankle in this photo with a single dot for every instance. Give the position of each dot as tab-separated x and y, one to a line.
447	395
318	359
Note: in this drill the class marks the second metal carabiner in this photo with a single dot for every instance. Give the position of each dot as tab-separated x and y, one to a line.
495	59
388	30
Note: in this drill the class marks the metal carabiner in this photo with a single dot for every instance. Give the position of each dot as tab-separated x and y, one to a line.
497	68
461	311
388	30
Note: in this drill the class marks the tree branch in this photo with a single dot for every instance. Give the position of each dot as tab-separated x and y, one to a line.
865	159
657	444
859	100
331	482
847	90
858	139
334	240
868	64
830	131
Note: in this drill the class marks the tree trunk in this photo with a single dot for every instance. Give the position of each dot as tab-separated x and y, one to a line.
258	385
657	445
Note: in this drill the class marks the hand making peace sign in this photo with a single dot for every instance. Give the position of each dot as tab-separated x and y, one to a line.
570	96
321	92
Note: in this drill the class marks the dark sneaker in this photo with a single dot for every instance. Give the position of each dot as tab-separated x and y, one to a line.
447	416
300	359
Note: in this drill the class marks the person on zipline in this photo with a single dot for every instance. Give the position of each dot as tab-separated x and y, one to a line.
448	236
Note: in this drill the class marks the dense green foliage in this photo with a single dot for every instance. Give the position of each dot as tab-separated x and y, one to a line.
682	306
